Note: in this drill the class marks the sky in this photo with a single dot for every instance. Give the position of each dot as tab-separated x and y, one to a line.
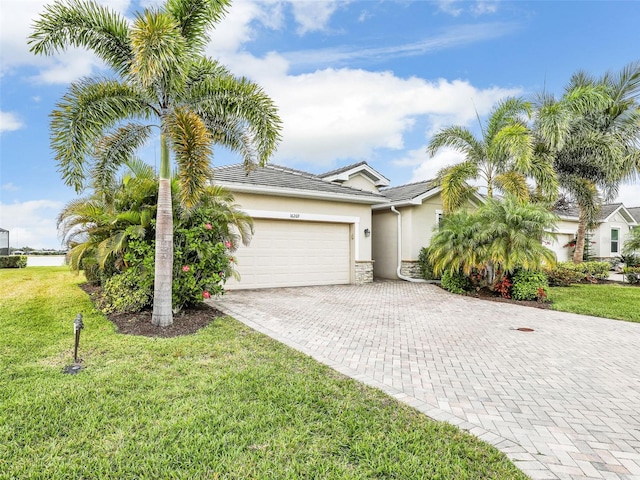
353	80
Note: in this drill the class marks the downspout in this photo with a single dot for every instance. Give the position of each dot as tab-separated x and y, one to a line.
398	270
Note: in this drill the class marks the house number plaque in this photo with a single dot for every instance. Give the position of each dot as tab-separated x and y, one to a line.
294	215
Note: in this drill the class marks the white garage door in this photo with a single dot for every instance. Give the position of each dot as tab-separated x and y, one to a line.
289	253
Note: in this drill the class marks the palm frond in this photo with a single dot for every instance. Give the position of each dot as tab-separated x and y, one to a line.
191	141
513	183
453	182
160	53
243	106
114	150
460	139
89	109
85	24
196	18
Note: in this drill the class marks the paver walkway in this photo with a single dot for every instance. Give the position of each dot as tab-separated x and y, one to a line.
561	402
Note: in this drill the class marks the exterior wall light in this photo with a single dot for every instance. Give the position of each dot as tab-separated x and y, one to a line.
367	232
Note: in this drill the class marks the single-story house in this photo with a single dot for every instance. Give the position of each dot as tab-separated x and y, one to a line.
343	226
308	231
615	221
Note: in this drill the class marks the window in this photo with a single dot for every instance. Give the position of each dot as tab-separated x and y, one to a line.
615	240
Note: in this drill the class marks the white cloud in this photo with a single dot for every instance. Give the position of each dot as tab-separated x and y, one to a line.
9	122
16	23
335	114
630	195
453	37
75	64
9	187
449	6
31	223
313	15
427	167
457	7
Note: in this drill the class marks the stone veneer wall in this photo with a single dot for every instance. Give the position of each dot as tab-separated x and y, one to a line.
364	271
410	268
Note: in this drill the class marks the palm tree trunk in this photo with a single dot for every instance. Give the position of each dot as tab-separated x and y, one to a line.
162	293
578	252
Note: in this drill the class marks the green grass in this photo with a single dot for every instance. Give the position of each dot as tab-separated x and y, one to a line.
609	301
226	402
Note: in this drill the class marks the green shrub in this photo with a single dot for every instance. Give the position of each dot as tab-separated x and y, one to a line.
123	293
91	270
528	285
426	268
598	270
630	260
13	261
561	276
632	274
455	282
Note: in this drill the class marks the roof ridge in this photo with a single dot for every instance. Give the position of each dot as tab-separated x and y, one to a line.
343	169
407	184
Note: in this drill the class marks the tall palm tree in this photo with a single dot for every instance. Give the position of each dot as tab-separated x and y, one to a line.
592	133
162	80
502	158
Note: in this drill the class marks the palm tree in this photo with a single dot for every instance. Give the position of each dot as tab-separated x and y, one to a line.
632	244
502	158
98	232
161	76
592	134
497	239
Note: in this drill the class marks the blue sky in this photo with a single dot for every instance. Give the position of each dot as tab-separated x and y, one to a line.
358	80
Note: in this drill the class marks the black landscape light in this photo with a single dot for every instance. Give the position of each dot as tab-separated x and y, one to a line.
77	326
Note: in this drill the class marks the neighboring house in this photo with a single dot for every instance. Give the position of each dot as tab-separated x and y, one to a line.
607	238
308	231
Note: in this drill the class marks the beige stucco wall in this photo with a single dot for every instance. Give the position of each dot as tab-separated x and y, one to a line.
385	244
361	182
418	223
297	206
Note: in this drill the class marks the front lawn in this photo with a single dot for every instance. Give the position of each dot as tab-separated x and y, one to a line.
226	402
600	300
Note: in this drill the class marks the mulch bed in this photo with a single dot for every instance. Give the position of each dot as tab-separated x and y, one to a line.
486	294
186	322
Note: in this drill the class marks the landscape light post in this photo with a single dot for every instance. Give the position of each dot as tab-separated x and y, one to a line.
77	326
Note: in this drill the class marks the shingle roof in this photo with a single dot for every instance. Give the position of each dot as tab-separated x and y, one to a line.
279	177
605	211
408	191
342	169
635	213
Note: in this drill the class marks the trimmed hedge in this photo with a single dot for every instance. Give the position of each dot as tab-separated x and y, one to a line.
13	261
455	282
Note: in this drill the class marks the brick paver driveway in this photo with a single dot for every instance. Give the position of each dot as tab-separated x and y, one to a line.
561	402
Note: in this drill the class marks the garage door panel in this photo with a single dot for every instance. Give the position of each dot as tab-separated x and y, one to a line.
294	253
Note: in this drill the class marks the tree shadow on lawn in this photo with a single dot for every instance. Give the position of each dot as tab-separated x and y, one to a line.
187	322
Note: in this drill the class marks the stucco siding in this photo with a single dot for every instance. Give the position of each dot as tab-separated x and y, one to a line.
385	244
297	206
361	182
